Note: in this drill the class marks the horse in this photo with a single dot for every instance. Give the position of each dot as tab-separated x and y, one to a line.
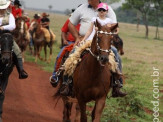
6	63
21	34
118	43
41	38
92	77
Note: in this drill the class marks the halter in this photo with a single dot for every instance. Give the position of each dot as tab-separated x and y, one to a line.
98	47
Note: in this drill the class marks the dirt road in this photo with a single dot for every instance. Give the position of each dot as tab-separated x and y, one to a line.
31	100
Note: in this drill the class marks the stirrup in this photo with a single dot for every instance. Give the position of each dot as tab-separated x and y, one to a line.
53	81
118	84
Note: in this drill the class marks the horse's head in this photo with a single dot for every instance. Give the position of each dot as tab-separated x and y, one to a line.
101	44
20	24
6	42
34	25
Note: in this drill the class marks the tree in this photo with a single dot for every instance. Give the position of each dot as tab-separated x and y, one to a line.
143	6
50	7
155	15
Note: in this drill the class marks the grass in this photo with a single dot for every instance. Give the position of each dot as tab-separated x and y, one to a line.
141	55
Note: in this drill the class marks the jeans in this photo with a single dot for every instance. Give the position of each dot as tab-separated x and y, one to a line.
54	72
117	58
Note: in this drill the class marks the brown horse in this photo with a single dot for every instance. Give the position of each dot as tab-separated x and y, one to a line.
21	34
92	77
41	37
118	43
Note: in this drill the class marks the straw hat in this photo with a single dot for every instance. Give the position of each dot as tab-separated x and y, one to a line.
4	4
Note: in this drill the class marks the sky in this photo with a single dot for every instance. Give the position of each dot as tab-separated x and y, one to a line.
59	5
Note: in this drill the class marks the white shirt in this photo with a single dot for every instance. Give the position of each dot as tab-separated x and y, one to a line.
84	15
102	22
11	26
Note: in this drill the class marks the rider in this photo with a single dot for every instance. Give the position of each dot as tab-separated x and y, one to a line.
27	19
7	22
84	15
67	39
37	18
45	22
16	10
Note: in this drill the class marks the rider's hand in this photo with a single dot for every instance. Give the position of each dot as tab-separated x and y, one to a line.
77	41
1	28
65	42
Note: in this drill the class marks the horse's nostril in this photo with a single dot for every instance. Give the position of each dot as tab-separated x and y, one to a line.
104	59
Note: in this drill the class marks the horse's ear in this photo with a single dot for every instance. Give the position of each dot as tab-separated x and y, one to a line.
97	24
114	27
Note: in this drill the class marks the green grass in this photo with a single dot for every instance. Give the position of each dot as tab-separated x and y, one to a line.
141	55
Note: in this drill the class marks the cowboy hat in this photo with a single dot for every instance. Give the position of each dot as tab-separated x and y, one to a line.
45	15
17	2
36	16
4	4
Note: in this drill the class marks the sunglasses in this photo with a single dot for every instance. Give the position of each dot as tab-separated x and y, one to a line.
101	9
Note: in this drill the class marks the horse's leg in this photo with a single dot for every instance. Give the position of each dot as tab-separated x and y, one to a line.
93	113
82	106
45	51
99	106
3	85
36	53
39	51
50	56
77	116
67	111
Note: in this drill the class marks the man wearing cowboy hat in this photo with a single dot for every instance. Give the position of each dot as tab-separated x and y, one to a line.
7	22
45	22
16	10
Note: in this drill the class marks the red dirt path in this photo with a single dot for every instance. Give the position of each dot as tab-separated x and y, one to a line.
31	100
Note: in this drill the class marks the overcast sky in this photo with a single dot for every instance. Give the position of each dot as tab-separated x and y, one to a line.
60	5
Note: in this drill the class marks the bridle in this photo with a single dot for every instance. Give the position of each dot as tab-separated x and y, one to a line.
98	46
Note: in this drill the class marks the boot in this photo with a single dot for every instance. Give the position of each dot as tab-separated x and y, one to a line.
19	65
64	90
117	93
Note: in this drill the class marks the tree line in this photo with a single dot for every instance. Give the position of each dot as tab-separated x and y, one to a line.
147	12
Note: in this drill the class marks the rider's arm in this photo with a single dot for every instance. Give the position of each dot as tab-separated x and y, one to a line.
65	42
11	26
75	20
74	32
20	12
88	32
64	31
